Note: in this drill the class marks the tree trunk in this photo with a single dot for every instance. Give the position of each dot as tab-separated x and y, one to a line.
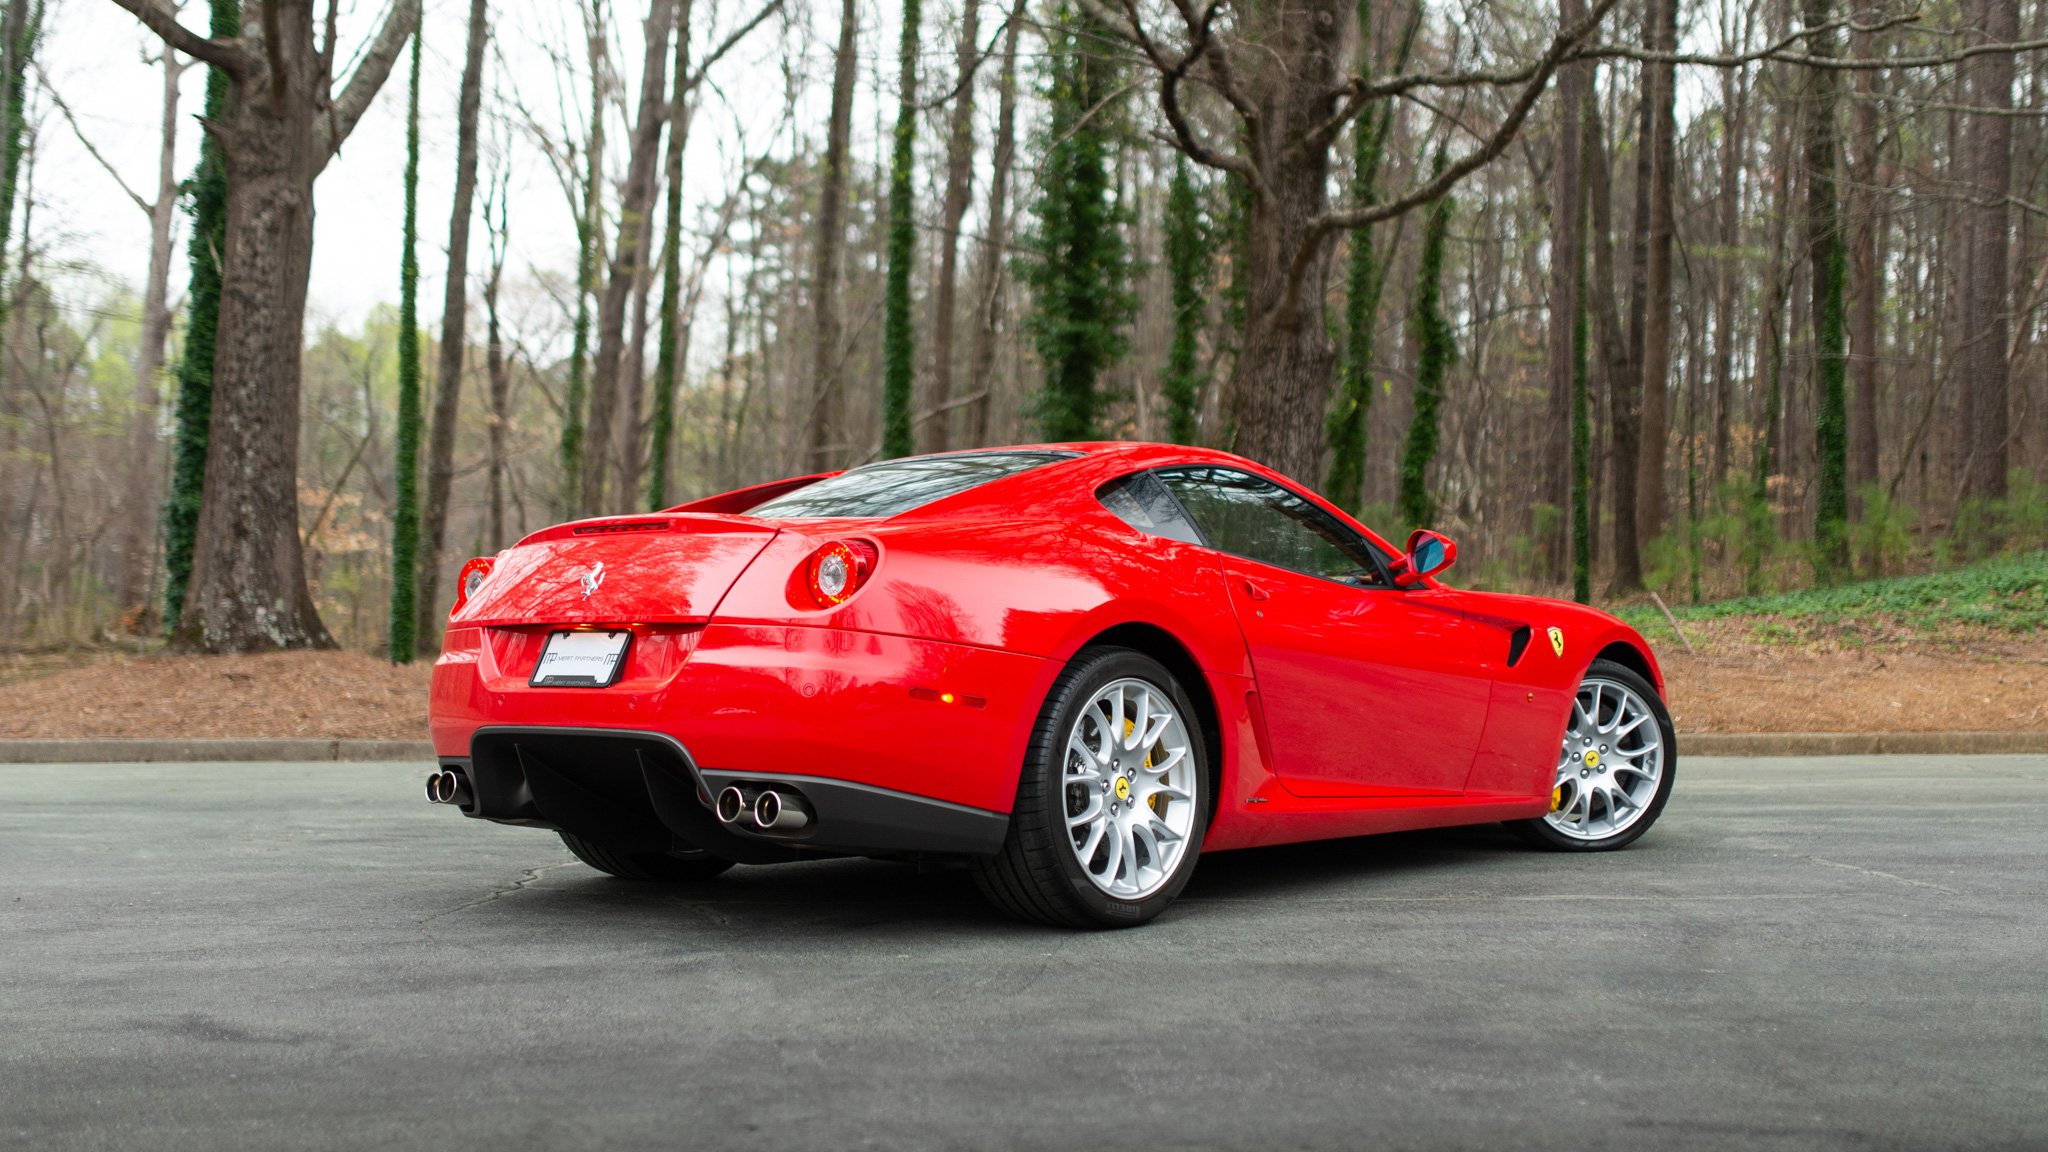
1623	379
249	590
1281	380
633	366
828	403
672	347
1827	273
589	242
636	200
497	373
1727	266
454	324
898	339
959	189
1988	156
1659	94
140	518
988	288
1866	283
401	637
194	408
1567	215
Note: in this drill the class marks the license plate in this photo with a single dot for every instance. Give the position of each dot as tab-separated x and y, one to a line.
581	660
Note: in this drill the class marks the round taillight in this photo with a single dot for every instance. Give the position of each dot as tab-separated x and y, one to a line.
473	576
836	571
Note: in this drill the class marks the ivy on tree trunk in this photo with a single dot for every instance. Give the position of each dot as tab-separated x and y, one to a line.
1364	278
899	343
1830	271
405	517
1187	264
208	189
1078	271
1436	351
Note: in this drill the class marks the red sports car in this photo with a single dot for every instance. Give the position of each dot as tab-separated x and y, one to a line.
1073	667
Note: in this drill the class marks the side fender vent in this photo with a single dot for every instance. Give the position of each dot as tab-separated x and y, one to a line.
1518	643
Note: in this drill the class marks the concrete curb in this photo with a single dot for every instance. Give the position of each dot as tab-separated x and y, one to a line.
1860	743
164	751
313	751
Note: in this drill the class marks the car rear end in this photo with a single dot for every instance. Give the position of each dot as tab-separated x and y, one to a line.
760	688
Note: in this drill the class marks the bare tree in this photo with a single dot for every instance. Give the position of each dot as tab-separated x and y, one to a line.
454	321
988	286
827	399
959	189
138	503
636	202
284	123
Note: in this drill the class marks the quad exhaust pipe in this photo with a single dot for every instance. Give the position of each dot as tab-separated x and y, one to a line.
764	809
447	787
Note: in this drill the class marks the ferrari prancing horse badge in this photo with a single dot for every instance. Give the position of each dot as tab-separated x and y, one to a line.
1557	641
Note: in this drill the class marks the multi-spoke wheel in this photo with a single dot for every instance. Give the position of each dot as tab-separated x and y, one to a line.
1111	805
1615	769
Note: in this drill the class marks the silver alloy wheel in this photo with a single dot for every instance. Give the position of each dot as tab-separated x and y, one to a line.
1129	787
1611	763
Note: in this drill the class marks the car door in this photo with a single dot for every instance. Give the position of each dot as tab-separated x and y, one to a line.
1367	689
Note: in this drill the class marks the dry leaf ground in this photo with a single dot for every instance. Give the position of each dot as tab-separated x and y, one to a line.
1963	683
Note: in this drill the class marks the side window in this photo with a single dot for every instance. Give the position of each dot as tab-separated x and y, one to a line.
1247	516
1141	501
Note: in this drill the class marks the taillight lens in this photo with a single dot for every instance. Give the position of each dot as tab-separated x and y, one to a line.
836	571
473	575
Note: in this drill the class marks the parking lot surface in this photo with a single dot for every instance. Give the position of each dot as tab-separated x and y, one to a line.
1805	953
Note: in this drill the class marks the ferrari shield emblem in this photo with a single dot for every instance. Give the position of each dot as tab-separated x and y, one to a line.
1557	641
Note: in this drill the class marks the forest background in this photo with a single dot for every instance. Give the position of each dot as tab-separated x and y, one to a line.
1784	331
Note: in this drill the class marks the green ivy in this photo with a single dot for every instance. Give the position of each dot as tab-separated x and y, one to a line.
405	518
899	343
1077	269
208	190
1436	351
1188	268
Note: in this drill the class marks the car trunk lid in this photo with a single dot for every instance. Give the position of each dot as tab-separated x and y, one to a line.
666	568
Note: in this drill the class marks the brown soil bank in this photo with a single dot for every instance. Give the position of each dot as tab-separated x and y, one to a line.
1731	686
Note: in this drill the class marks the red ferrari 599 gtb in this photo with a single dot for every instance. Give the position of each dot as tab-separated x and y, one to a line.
1075	667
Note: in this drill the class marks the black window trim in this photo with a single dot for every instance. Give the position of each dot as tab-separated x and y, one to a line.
1372	550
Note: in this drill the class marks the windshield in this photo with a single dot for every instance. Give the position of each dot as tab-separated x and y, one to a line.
897	486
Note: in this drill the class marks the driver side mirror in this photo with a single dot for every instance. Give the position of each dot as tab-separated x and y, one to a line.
1428	554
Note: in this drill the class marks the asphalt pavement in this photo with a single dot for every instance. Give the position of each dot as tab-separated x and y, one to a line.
1805	953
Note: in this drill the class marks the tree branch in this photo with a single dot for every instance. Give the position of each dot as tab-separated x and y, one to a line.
331	131
1329	223
728	44
1172	72
148	208
227	55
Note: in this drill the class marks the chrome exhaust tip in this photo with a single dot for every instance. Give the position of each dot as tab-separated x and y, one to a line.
447	787
735	805
781	812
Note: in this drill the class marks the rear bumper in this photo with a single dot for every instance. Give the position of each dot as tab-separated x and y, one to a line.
920	718
644	792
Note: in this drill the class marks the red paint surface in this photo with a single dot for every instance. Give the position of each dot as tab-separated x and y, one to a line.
1341	710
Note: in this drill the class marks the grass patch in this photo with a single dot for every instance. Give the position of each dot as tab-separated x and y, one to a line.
2007	596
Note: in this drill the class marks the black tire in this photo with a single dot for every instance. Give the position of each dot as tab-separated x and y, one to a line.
671	867
1037	876
1539	831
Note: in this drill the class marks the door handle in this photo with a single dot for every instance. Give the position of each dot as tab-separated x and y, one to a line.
1255	592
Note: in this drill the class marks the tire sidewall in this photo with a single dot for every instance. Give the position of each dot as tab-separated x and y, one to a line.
1609	670
1047	759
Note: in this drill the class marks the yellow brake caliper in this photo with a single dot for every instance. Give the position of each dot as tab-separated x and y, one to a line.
1155	802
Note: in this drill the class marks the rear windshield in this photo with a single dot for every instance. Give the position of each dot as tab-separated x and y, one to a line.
897	486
